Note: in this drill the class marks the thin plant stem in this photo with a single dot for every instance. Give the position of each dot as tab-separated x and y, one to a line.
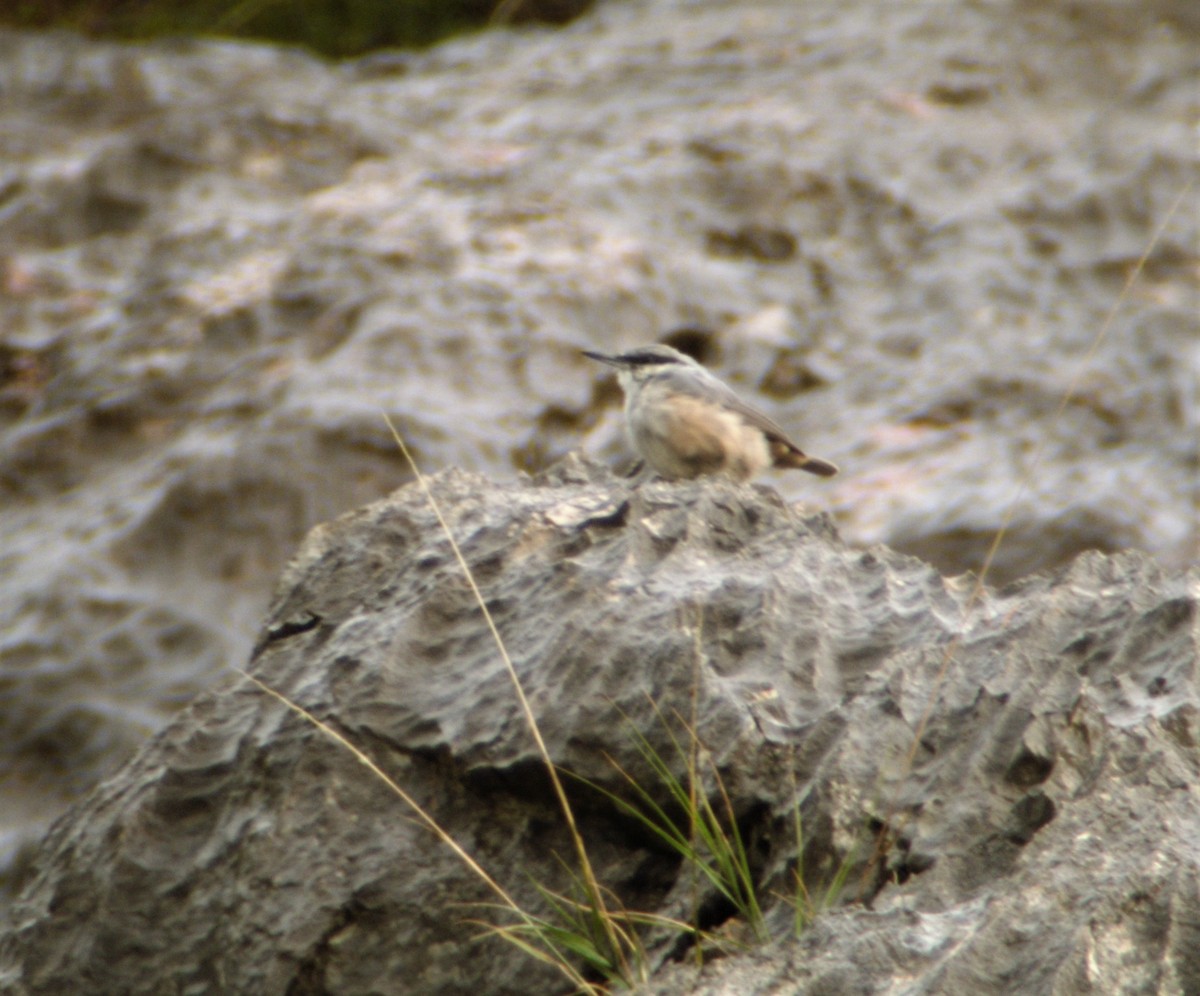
693	774
1010	512
591	885
554	957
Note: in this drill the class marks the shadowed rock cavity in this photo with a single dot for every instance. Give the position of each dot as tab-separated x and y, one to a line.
1027	758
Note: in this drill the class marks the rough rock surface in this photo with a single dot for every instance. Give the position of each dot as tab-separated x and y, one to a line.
900	227
1031	752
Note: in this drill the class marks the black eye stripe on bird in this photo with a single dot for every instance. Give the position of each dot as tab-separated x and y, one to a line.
684	422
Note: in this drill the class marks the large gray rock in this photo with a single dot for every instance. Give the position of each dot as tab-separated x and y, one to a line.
1031	755
899	227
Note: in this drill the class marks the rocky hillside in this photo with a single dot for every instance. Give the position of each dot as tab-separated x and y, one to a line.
1009	778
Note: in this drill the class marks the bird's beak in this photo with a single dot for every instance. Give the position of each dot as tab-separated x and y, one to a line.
612	361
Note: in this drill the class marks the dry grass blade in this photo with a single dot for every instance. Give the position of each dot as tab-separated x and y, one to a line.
1010	512
591	885
573	927
552	956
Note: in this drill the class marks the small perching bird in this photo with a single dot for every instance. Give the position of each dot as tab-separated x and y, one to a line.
684	422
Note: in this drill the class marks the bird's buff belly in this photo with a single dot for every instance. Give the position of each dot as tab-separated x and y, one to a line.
687	438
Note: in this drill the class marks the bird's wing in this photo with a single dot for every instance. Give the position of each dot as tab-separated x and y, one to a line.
711	389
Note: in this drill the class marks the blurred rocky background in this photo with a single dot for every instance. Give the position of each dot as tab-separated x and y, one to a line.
912	232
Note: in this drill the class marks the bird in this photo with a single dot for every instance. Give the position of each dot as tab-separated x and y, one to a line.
684	422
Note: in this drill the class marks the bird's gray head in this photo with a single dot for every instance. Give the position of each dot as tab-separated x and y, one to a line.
637	365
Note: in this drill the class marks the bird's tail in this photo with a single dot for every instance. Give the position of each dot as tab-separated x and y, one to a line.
788	456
